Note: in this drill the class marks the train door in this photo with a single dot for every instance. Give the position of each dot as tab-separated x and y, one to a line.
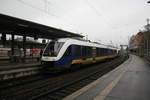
94	53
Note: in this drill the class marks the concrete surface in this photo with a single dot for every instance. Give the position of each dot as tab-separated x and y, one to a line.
129	81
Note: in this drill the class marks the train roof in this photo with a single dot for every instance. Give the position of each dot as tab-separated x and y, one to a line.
83	42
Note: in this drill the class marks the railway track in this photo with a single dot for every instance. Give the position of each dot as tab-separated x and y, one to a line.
73	86
59	86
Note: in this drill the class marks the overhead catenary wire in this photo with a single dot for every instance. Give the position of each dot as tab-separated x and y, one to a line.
97	12
46	10
37	8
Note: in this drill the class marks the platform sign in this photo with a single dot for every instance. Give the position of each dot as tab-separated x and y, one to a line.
44	41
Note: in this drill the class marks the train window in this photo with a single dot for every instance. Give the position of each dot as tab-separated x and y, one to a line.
100	52
83	51
90	51
77	50
97	51
115	51
103	52
68	51
106	52
109	51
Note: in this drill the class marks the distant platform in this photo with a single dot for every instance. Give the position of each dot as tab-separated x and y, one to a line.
129	81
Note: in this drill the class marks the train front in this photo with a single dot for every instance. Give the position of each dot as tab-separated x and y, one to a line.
52	56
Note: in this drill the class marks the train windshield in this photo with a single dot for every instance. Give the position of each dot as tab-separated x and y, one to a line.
53	48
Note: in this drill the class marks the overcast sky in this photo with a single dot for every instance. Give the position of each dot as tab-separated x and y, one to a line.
101	20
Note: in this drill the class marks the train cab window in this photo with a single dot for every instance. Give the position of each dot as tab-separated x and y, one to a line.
53	48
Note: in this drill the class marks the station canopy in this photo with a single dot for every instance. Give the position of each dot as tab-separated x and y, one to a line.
16	26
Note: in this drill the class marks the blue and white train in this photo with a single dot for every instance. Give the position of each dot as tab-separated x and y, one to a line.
64	52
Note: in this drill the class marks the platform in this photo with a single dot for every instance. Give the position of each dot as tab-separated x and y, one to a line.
129	81
10	70
8	65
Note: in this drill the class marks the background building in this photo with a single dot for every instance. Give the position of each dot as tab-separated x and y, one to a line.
140	43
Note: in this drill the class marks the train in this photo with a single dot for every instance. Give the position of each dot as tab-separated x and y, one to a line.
65	52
